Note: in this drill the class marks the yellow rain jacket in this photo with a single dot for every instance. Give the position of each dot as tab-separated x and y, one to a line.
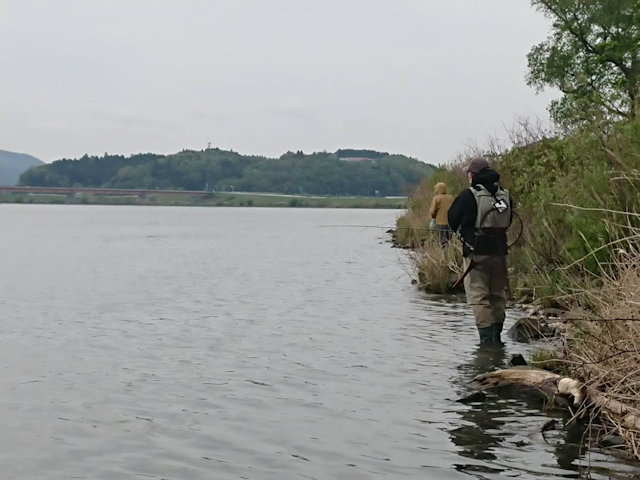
440	204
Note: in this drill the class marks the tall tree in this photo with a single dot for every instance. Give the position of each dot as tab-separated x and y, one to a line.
592	57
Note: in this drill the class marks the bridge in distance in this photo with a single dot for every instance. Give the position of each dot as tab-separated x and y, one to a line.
103	191
73	191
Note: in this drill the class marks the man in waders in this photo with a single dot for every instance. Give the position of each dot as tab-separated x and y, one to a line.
481	215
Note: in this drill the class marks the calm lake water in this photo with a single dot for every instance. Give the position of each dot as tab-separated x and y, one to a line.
215	343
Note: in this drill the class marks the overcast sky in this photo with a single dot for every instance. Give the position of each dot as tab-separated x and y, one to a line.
425	78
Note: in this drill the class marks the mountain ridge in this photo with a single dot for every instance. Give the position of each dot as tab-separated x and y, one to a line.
14	164
345	172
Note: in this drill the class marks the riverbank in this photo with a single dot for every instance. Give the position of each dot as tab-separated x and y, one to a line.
586	361
575	247
587	354
205	199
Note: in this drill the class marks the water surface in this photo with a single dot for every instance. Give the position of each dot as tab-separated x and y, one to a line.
200	343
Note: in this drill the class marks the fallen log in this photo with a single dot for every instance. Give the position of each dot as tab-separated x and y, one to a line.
553	385
617	412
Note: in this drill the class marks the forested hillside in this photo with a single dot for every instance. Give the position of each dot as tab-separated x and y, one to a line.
12	165
345	172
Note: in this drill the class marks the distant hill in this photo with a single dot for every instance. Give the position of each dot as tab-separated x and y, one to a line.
345	172
12	165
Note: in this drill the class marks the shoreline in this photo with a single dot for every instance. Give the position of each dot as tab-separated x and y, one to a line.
205	199
581	359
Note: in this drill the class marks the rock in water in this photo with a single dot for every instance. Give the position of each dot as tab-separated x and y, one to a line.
528	329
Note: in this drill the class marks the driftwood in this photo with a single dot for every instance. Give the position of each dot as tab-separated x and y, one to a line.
554	385
628	417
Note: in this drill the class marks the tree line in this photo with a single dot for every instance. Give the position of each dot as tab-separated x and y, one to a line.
344	172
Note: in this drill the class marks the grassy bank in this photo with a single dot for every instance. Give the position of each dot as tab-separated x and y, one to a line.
574	199
227	199
579	250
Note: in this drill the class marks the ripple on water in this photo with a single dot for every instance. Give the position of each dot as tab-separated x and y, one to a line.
246	343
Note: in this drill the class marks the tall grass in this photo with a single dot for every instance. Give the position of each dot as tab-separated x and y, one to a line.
603	349
437	268
434	267
544	174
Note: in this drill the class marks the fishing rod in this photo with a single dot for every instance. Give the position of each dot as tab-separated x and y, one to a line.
379	226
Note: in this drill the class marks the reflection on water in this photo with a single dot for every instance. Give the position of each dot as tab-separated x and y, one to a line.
496	424
475	438
195	343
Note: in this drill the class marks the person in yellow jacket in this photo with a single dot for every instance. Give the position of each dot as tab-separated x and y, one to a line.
438	211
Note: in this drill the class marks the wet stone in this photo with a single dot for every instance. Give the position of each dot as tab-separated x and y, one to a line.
473	398
516	360
528	329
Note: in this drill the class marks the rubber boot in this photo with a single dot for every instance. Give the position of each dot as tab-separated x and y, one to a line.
486	335
496	330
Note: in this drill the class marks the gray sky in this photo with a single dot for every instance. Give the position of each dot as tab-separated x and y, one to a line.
425	78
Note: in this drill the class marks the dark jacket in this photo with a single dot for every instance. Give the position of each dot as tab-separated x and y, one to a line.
462	218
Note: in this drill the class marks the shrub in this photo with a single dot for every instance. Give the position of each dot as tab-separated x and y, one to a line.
437	268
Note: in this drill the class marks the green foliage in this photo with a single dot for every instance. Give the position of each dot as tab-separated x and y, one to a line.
549	359
592	56
566	192
218	170
350	153
86	171
551	177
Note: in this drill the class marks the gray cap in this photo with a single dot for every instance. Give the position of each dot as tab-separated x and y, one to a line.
476	164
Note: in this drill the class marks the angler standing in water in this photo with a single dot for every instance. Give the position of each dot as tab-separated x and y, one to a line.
439	208
481	215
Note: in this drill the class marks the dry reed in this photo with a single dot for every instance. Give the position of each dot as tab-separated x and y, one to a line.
603	350
437	267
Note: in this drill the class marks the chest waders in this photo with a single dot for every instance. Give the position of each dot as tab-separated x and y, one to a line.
486	286
494	212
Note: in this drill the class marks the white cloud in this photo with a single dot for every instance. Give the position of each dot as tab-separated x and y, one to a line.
125	76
